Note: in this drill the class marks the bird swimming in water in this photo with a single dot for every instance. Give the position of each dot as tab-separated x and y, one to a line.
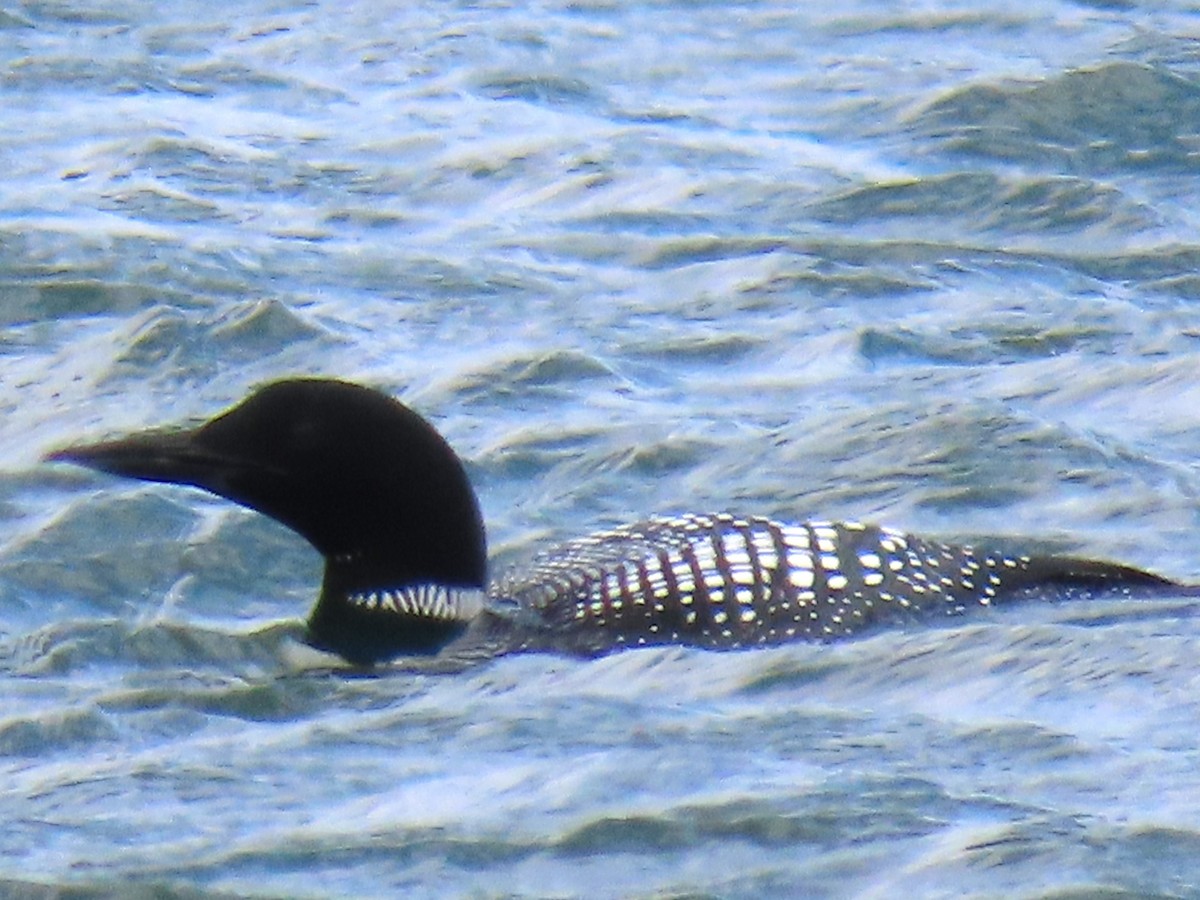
386	501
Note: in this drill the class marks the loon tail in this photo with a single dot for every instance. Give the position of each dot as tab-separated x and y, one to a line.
1075	576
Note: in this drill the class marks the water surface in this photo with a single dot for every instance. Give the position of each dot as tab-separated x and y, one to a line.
930	266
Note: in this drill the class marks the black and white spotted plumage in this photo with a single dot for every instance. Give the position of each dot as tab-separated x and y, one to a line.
725	582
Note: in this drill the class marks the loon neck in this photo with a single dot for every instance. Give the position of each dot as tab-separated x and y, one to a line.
369	627
370	610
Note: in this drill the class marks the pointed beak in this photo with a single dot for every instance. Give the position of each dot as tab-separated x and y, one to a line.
174	457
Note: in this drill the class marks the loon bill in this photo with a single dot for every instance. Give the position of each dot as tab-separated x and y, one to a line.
385	500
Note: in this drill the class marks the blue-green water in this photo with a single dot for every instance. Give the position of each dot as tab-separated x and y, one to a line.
934	266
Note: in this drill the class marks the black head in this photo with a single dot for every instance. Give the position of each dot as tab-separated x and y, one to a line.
368	482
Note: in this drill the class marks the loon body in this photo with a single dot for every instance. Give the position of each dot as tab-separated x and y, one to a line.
385	500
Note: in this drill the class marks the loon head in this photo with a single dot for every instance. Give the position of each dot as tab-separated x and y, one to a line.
368	482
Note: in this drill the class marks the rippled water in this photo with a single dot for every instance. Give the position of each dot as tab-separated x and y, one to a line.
934	266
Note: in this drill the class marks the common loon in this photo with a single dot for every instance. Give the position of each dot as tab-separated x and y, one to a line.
385	500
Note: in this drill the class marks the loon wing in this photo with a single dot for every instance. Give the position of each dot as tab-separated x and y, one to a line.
725	582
